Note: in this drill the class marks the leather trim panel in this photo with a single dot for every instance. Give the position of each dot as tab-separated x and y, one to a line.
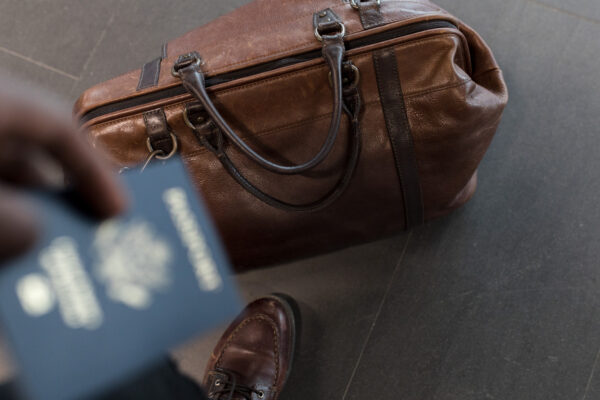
370	14
396	121
151	71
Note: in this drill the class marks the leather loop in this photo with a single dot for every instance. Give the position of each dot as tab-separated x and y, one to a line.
151	71
370	13
333	52
160	137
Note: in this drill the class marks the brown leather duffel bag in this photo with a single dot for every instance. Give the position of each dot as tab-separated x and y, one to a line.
310	125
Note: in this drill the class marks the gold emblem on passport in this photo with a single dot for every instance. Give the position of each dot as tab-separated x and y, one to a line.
133	262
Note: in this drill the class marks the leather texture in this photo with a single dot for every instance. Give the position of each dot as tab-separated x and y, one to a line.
254	356
453	94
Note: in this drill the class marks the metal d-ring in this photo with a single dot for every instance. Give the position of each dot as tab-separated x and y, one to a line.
186	118
341	34
354	3
157	153
185	61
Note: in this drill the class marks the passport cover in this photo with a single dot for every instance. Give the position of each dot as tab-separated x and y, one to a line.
96	302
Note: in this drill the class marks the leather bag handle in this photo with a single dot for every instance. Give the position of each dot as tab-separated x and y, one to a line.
211	137
331	33
212	130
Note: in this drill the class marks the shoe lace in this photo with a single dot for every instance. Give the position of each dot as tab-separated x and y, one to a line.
229	387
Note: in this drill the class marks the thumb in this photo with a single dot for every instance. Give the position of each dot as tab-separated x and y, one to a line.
18	225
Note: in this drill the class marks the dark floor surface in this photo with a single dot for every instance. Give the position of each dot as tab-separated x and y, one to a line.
501	300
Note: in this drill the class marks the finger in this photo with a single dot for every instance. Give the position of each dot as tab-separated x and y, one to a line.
25	166
19	228
89	173
84	166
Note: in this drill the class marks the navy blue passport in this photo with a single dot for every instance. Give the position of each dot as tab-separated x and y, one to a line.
95	303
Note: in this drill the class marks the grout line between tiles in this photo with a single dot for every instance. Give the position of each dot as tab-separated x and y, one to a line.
38	63
385	295
589	382
93	52
98	42
561	10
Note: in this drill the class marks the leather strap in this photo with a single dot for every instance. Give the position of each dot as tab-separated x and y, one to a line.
212	138
159	133
151	71
211	129
396	120
370	13
188	68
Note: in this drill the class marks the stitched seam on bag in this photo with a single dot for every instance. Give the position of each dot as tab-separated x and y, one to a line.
443	138
156	73
357	57
274	131
181	103
439	88
282	76
226	91
146	85
245	322
286	22
287	75
487	71
140	87
261	134
302	46
279	129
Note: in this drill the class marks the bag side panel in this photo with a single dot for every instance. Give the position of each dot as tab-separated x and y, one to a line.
453	128
286	117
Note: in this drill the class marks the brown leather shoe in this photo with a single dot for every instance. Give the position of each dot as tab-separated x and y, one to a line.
254	356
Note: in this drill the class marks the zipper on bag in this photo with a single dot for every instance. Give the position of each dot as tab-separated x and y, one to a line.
265	67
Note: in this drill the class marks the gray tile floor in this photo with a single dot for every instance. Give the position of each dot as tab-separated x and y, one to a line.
501	300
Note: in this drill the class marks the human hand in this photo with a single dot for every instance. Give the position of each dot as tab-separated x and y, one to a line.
34	137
